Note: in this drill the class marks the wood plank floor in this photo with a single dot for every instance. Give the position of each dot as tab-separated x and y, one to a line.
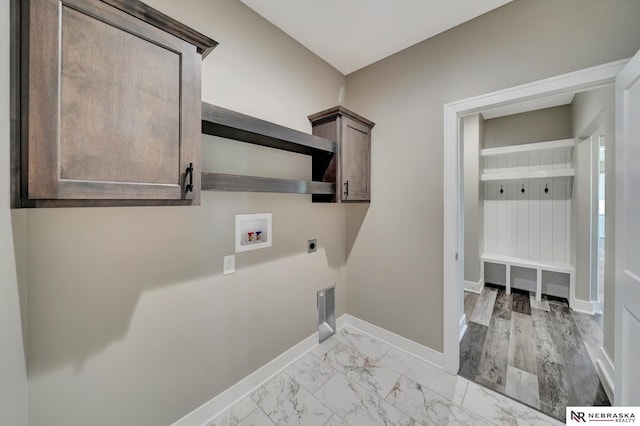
539	353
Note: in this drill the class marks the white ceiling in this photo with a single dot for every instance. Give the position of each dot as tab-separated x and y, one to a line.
351	34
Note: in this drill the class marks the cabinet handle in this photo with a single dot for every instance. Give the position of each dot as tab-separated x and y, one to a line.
189	174
346	189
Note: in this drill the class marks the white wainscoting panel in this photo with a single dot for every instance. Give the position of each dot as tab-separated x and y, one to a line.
533	224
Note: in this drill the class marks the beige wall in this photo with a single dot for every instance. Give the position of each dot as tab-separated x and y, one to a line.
543	125
130	320
473	197
591	111
395	264
13	377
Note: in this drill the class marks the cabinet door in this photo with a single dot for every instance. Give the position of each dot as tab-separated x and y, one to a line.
113	105
355	161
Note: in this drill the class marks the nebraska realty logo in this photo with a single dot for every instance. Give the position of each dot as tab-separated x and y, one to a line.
579	415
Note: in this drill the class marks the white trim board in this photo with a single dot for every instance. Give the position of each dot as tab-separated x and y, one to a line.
585	306
557	145
540	174
597	307
574	82
462	328
416	349
605	370
472	287
212	408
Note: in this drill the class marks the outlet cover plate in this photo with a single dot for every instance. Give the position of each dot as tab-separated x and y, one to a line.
229	264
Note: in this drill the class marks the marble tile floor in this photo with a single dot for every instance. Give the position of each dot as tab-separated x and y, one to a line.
354	379
540	353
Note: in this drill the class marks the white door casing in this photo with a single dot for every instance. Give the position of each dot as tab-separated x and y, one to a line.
627	231
586	194
582	80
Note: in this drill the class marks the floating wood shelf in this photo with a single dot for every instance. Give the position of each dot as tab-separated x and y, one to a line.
218	121
239	183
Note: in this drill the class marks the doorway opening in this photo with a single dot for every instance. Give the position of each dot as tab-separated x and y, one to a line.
526	96
531	301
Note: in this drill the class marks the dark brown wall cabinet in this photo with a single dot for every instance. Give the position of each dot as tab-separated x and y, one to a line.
110	105
350	169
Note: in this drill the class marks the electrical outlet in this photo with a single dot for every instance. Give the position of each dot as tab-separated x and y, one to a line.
229	264
312	246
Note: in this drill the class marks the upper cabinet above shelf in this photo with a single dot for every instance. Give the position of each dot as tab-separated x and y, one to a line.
218	121
559	145
110	105
350	169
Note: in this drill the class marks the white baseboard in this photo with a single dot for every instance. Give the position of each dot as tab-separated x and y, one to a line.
342	321
584	306
597	307
605	372
416	349
209	410
474	287
462	328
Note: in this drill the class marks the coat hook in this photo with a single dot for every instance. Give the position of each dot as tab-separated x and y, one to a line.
522	190
501	190
546	188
